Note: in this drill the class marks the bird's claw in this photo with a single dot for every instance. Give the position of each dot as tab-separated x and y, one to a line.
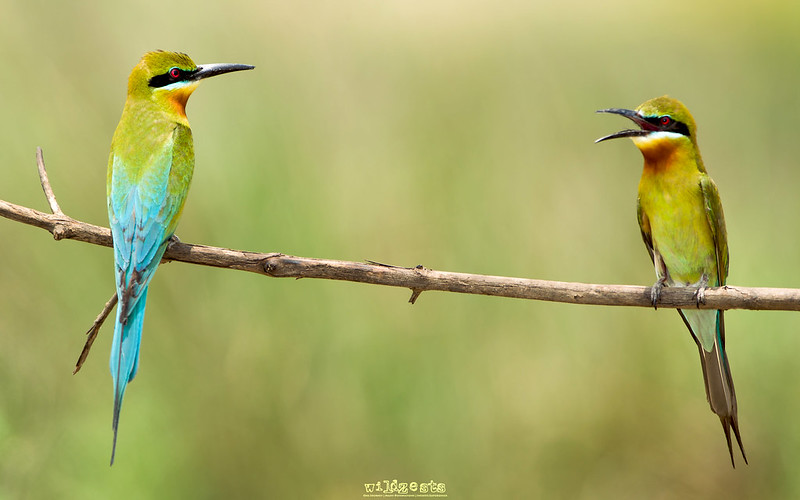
655	291
700	293
700	296
173	240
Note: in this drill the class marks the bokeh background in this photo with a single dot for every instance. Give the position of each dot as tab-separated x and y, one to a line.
457	134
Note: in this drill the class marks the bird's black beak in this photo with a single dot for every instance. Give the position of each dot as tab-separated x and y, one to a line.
646	127
208	70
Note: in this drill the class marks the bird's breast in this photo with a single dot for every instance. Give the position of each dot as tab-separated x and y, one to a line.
679	228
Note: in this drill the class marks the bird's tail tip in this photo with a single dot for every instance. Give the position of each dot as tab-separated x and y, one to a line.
728	423
113	448
115	423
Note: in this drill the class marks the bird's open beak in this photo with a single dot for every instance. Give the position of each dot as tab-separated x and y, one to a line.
208	70
646	127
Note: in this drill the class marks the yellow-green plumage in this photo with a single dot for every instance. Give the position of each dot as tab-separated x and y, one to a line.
683	227
149	171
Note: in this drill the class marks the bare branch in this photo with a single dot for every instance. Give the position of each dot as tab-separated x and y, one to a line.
418	279
46	187
94	330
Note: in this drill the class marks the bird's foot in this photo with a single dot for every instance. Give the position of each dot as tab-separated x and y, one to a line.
700	293
655	291
700	296
173	240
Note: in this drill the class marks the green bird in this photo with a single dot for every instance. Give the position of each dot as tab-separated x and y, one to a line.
149	171
683	227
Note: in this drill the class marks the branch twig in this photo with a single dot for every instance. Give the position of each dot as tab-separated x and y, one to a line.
48	190
94	330
418	279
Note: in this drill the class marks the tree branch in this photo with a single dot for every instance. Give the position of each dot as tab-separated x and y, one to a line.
94	330
48	190
418	279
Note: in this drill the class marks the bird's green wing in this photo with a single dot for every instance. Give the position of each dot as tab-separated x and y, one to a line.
644	226
716	221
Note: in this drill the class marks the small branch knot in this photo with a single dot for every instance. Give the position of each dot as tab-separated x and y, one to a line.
60	232
270	267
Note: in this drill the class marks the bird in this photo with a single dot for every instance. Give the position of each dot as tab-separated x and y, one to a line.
149	171
683	226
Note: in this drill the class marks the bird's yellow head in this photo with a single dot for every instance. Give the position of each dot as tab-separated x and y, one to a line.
169	78
664	124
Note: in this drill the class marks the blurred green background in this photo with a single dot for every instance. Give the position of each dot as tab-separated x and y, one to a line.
453	134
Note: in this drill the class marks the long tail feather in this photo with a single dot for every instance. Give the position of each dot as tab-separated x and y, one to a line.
720	392
124	360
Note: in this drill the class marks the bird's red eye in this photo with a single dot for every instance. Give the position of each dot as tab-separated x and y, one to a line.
176	73
666	120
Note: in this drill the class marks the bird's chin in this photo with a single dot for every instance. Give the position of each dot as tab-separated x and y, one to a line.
659	137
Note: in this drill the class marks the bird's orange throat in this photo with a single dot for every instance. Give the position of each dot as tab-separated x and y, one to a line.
663	152
178	98
655	147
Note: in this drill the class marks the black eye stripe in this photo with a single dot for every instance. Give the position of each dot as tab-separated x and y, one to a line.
673	125
165	79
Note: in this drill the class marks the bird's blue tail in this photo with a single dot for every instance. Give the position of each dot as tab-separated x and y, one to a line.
124	360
